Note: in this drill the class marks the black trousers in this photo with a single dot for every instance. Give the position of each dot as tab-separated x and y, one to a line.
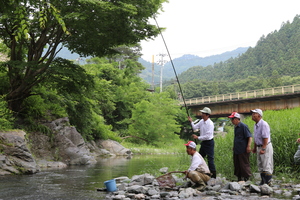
208	149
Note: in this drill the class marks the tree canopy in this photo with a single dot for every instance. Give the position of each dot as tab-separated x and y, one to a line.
33	30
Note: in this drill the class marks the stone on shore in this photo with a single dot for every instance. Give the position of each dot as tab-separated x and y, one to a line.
219	188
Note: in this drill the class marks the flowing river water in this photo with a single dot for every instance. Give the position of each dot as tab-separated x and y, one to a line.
81	182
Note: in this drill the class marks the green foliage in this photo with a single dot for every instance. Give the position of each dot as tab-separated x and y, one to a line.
117	88
100	97
155	119
33	32
6	116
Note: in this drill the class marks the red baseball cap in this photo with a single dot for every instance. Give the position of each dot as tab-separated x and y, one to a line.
191	144
234	114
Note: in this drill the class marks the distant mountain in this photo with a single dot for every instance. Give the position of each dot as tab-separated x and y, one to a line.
184	63
273	62
181	64
66	54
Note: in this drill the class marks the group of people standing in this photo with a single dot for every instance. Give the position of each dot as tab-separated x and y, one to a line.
199	170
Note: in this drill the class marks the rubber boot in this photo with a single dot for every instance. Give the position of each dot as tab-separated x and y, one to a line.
263	176
214	175
268	178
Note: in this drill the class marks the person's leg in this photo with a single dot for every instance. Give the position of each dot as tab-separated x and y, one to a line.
267	163
202	150
244	165
236	167
196	178
210	151
260	166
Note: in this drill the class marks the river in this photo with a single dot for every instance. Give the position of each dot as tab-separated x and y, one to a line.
81	182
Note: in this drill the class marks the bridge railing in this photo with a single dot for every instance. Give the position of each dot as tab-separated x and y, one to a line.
289	89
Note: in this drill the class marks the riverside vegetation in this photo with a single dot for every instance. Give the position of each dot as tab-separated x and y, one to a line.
284	126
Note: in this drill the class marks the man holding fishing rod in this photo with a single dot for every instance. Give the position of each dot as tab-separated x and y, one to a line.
206	127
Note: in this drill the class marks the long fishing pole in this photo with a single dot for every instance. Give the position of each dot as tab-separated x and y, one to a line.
187	112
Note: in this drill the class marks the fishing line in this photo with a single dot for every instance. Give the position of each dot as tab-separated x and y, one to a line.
172	66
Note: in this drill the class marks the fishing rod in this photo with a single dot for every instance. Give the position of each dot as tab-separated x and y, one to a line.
187	112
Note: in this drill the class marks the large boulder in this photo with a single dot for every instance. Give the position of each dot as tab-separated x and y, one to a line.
64	146
114	147
15	157
69	144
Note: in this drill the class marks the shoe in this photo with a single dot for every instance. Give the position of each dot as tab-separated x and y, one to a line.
200	188
188	184
268	179
263	180
214	175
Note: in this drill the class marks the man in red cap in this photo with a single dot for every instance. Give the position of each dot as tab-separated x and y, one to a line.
198	171
241	148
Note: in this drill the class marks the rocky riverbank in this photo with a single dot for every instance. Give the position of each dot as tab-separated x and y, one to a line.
22	153
146	186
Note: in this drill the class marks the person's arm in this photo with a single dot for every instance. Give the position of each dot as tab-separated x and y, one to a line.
192	123
264	146
298	140
248	135
248	150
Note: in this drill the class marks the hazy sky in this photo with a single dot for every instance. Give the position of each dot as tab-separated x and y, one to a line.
209	27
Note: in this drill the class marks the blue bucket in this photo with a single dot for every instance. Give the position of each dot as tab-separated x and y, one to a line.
111	185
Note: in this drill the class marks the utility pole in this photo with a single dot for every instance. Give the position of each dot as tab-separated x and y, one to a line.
161	62
153	72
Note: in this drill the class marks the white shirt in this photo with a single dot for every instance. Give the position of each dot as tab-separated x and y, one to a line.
206	129
196	161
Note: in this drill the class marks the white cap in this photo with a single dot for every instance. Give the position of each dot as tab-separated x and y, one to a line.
259	111
235	114
191	144
206	110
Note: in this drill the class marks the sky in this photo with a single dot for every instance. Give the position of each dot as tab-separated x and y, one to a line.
210	27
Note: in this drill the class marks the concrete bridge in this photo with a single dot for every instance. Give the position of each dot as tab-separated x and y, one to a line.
223	105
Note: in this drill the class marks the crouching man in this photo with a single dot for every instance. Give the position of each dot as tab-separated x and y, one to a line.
198	172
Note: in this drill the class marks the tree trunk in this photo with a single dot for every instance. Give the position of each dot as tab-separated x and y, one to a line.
19	92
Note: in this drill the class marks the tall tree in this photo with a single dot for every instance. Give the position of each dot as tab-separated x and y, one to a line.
34	29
